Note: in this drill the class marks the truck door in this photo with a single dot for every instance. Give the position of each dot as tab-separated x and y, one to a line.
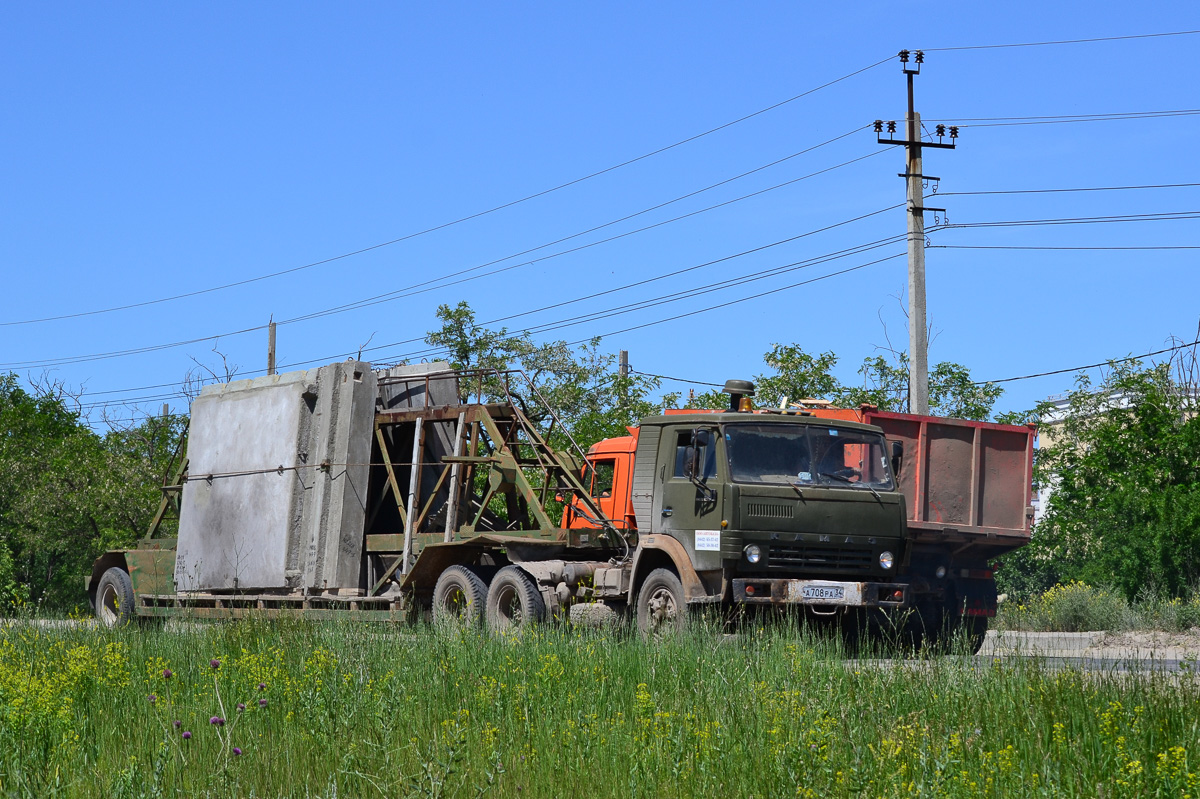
687	507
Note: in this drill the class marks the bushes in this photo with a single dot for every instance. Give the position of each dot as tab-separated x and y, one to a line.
1124	461
1079	607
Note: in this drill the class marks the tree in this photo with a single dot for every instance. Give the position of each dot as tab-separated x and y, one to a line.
799	375
580	387
1124	464
68	493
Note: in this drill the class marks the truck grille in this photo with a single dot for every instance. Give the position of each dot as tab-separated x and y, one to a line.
827	558
767	510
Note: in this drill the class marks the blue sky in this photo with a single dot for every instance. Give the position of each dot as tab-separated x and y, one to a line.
153	150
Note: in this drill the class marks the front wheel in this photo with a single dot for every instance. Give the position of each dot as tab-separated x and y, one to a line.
114	598
661	606
514	601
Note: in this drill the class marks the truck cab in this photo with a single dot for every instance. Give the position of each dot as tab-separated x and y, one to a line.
755	508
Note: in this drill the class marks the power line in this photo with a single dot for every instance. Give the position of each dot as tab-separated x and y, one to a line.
613	311
823	277
426	286
1023	247
1092	365
995	122
1057	191
744	299
467	218
392	296
1060	41
677	379
1166	216
661	299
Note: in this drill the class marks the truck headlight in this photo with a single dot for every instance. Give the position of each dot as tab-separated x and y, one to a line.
886	560
753	553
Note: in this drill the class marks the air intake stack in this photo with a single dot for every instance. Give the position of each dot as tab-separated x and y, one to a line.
740	392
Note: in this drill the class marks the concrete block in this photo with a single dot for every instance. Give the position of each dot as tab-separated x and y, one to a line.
270	516
343	423
236	519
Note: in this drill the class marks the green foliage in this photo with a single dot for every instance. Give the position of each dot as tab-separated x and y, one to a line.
1124	464
581	386
706	400
67	493
799	375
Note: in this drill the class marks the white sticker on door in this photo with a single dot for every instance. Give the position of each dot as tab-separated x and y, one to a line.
708	540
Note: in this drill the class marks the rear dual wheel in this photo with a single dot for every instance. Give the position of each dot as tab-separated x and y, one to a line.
459	597
514	601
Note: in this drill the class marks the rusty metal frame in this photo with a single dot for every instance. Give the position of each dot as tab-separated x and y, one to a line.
172	484
508	430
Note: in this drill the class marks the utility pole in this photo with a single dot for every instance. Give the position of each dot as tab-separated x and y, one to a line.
271	347
918	343
623	373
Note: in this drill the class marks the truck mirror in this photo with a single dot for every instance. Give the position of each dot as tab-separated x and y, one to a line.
897	456
691	460
701	438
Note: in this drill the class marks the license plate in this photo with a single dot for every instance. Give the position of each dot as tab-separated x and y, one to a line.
823	592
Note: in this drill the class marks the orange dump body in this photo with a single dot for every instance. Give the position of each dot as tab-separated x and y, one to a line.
610	478
959	477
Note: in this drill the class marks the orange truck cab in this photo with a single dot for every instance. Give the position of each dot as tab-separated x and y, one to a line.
610	477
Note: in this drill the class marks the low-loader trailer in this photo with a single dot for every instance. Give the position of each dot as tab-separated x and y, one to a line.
347	491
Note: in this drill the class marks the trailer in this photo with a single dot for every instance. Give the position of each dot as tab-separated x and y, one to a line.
384	494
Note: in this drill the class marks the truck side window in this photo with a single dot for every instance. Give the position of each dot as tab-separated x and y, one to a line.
683	454
602	478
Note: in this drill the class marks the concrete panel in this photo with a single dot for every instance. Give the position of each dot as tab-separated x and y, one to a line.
235	527
404	386
408	387
343	424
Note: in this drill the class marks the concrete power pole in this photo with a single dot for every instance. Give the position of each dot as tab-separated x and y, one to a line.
915	179
623	372
271	347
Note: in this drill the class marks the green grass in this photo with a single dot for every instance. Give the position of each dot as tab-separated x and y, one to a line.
362	711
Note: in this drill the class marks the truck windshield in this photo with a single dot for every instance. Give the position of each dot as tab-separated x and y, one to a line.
807	455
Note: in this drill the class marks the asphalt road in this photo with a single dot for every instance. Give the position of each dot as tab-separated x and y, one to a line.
1099	651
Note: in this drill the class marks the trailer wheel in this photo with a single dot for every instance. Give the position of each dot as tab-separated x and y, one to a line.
661	607
459	597
114	598
514	601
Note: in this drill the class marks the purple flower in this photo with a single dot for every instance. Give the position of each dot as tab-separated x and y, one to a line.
237	751
152	698
177	723
262	686
186	735
216	664
262	702
167	674
217	720
241	707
